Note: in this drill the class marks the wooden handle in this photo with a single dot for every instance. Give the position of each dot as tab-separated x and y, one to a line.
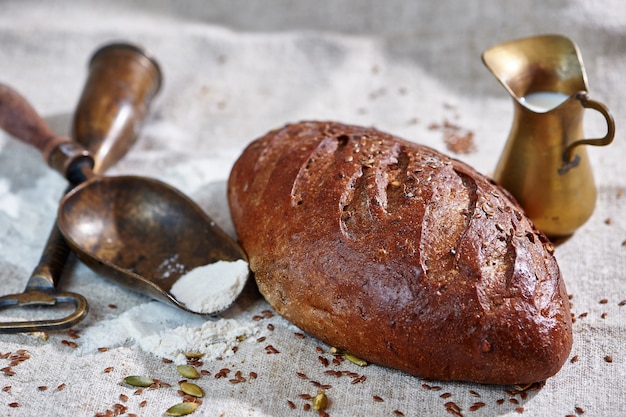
21	120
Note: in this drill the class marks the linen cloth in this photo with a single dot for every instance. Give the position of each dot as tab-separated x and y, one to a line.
233	70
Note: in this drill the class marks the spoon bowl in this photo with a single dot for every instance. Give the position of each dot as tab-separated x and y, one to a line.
142	233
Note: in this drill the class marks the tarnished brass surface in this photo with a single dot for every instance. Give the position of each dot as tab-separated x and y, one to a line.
101	135
141	233
543	164
123	80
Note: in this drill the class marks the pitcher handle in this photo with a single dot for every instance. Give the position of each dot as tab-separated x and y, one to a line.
607	139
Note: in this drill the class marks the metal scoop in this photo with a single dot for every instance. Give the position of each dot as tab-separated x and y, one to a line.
122	81
137	231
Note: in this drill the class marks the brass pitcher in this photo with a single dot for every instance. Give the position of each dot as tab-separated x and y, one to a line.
543	164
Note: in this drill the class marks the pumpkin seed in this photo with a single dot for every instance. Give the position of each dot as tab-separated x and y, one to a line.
182	409
522	387
320	402
188	371
139	381
191	389
193	355
355	360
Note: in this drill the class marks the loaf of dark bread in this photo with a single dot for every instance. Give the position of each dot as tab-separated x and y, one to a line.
399	255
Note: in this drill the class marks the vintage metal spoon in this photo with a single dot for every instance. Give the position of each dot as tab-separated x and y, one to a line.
137	231
122	81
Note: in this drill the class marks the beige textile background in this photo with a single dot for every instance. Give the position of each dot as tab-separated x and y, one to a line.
236	69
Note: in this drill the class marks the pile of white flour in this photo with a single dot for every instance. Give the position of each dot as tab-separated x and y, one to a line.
167	332
211	288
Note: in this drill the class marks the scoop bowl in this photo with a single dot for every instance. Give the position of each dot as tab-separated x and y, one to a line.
142	233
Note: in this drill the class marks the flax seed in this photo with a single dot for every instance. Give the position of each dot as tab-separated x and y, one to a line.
608	358
378	399
359	379
291	405
476	406
451	405
324	361
271	350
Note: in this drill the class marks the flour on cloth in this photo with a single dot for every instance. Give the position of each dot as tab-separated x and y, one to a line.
168	333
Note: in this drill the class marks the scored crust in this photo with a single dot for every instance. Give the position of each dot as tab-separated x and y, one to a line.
400	255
